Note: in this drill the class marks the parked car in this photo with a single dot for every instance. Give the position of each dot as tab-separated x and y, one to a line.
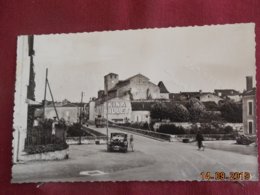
117	142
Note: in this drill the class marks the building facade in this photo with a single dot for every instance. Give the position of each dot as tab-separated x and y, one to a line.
249	109
117	110
118	97
133	88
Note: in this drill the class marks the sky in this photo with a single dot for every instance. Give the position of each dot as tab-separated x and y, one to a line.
184	58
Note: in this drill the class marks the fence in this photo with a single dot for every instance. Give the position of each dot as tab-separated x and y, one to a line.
41	136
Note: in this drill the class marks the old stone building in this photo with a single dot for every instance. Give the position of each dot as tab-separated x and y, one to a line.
249	107
133	88
121	98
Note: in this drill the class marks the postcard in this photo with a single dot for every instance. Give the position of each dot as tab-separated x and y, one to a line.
164	104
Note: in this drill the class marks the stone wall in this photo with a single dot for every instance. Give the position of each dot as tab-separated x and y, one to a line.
56	155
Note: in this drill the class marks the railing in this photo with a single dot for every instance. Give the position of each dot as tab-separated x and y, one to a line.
148	133
208	137
169	137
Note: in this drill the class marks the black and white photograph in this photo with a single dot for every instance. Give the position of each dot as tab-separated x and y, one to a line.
162	104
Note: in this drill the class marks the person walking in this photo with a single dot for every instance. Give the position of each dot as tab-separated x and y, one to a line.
131	140
199	139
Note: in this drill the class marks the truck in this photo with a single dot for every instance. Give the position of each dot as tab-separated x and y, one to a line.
100	121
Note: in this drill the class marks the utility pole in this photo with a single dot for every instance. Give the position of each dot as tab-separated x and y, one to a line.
80	109
45	90
107	116
53	100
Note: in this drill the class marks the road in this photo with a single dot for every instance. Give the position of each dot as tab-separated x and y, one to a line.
151	160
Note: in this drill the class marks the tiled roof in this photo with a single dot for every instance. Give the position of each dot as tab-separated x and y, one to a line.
226	92
162	87
250	92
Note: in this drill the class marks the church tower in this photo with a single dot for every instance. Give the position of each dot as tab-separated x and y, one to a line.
110	81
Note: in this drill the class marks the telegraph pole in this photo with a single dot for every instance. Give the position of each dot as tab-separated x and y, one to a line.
80	109
45	91
107	116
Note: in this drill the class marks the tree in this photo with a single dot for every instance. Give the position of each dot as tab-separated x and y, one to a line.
178	113
231	112
159	111
196	109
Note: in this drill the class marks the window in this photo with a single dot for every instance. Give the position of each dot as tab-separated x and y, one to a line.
250	108
250	127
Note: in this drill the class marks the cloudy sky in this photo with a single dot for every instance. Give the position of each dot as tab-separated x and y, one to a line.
184	58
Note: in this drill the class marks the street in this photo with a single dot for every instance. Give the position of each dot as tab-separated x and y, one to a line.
151	160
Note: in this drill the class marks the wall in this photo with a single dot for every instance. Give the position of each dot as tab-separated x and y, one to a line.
247	117
70	114
118	110
210	98
92	113
139	86
21	107
187	125
164	96
140	116
235	98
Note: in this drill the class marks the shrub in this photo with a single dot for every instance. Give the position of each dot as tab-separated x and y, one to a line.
45	148
245	140
57	144
231	112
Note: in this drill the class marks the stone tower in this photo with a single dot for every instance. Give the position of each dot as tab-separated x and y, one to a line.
110	81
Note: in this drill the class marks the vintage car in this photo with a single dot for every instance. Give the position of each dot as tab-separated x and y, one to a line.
117	142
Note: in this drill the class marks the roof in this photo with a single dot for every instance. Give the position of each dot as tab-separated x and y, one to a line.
126	82
162	87
137	75
111	73
250	92
226	92
120	84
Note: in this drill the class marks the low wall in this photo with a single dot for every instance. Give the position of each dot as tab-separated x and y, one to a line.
56	155
86	140
147	133
188	125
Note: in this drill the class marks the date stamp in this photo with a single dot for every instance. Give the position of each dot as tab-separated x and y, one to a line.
223	176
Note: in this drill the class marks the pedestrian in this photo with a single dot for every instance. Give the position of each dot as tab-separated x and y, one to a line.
199	139
131	140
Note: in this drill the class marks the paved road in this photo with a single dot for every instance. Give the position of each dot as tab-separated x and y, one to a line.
151	160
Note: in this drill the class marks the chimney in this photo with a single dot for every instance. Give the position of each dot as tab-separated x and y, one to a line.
249	83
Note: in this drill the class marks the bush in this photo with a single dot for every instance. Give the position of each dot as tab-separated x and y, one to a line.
245	140
171	129
231	112
57	144
45	148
